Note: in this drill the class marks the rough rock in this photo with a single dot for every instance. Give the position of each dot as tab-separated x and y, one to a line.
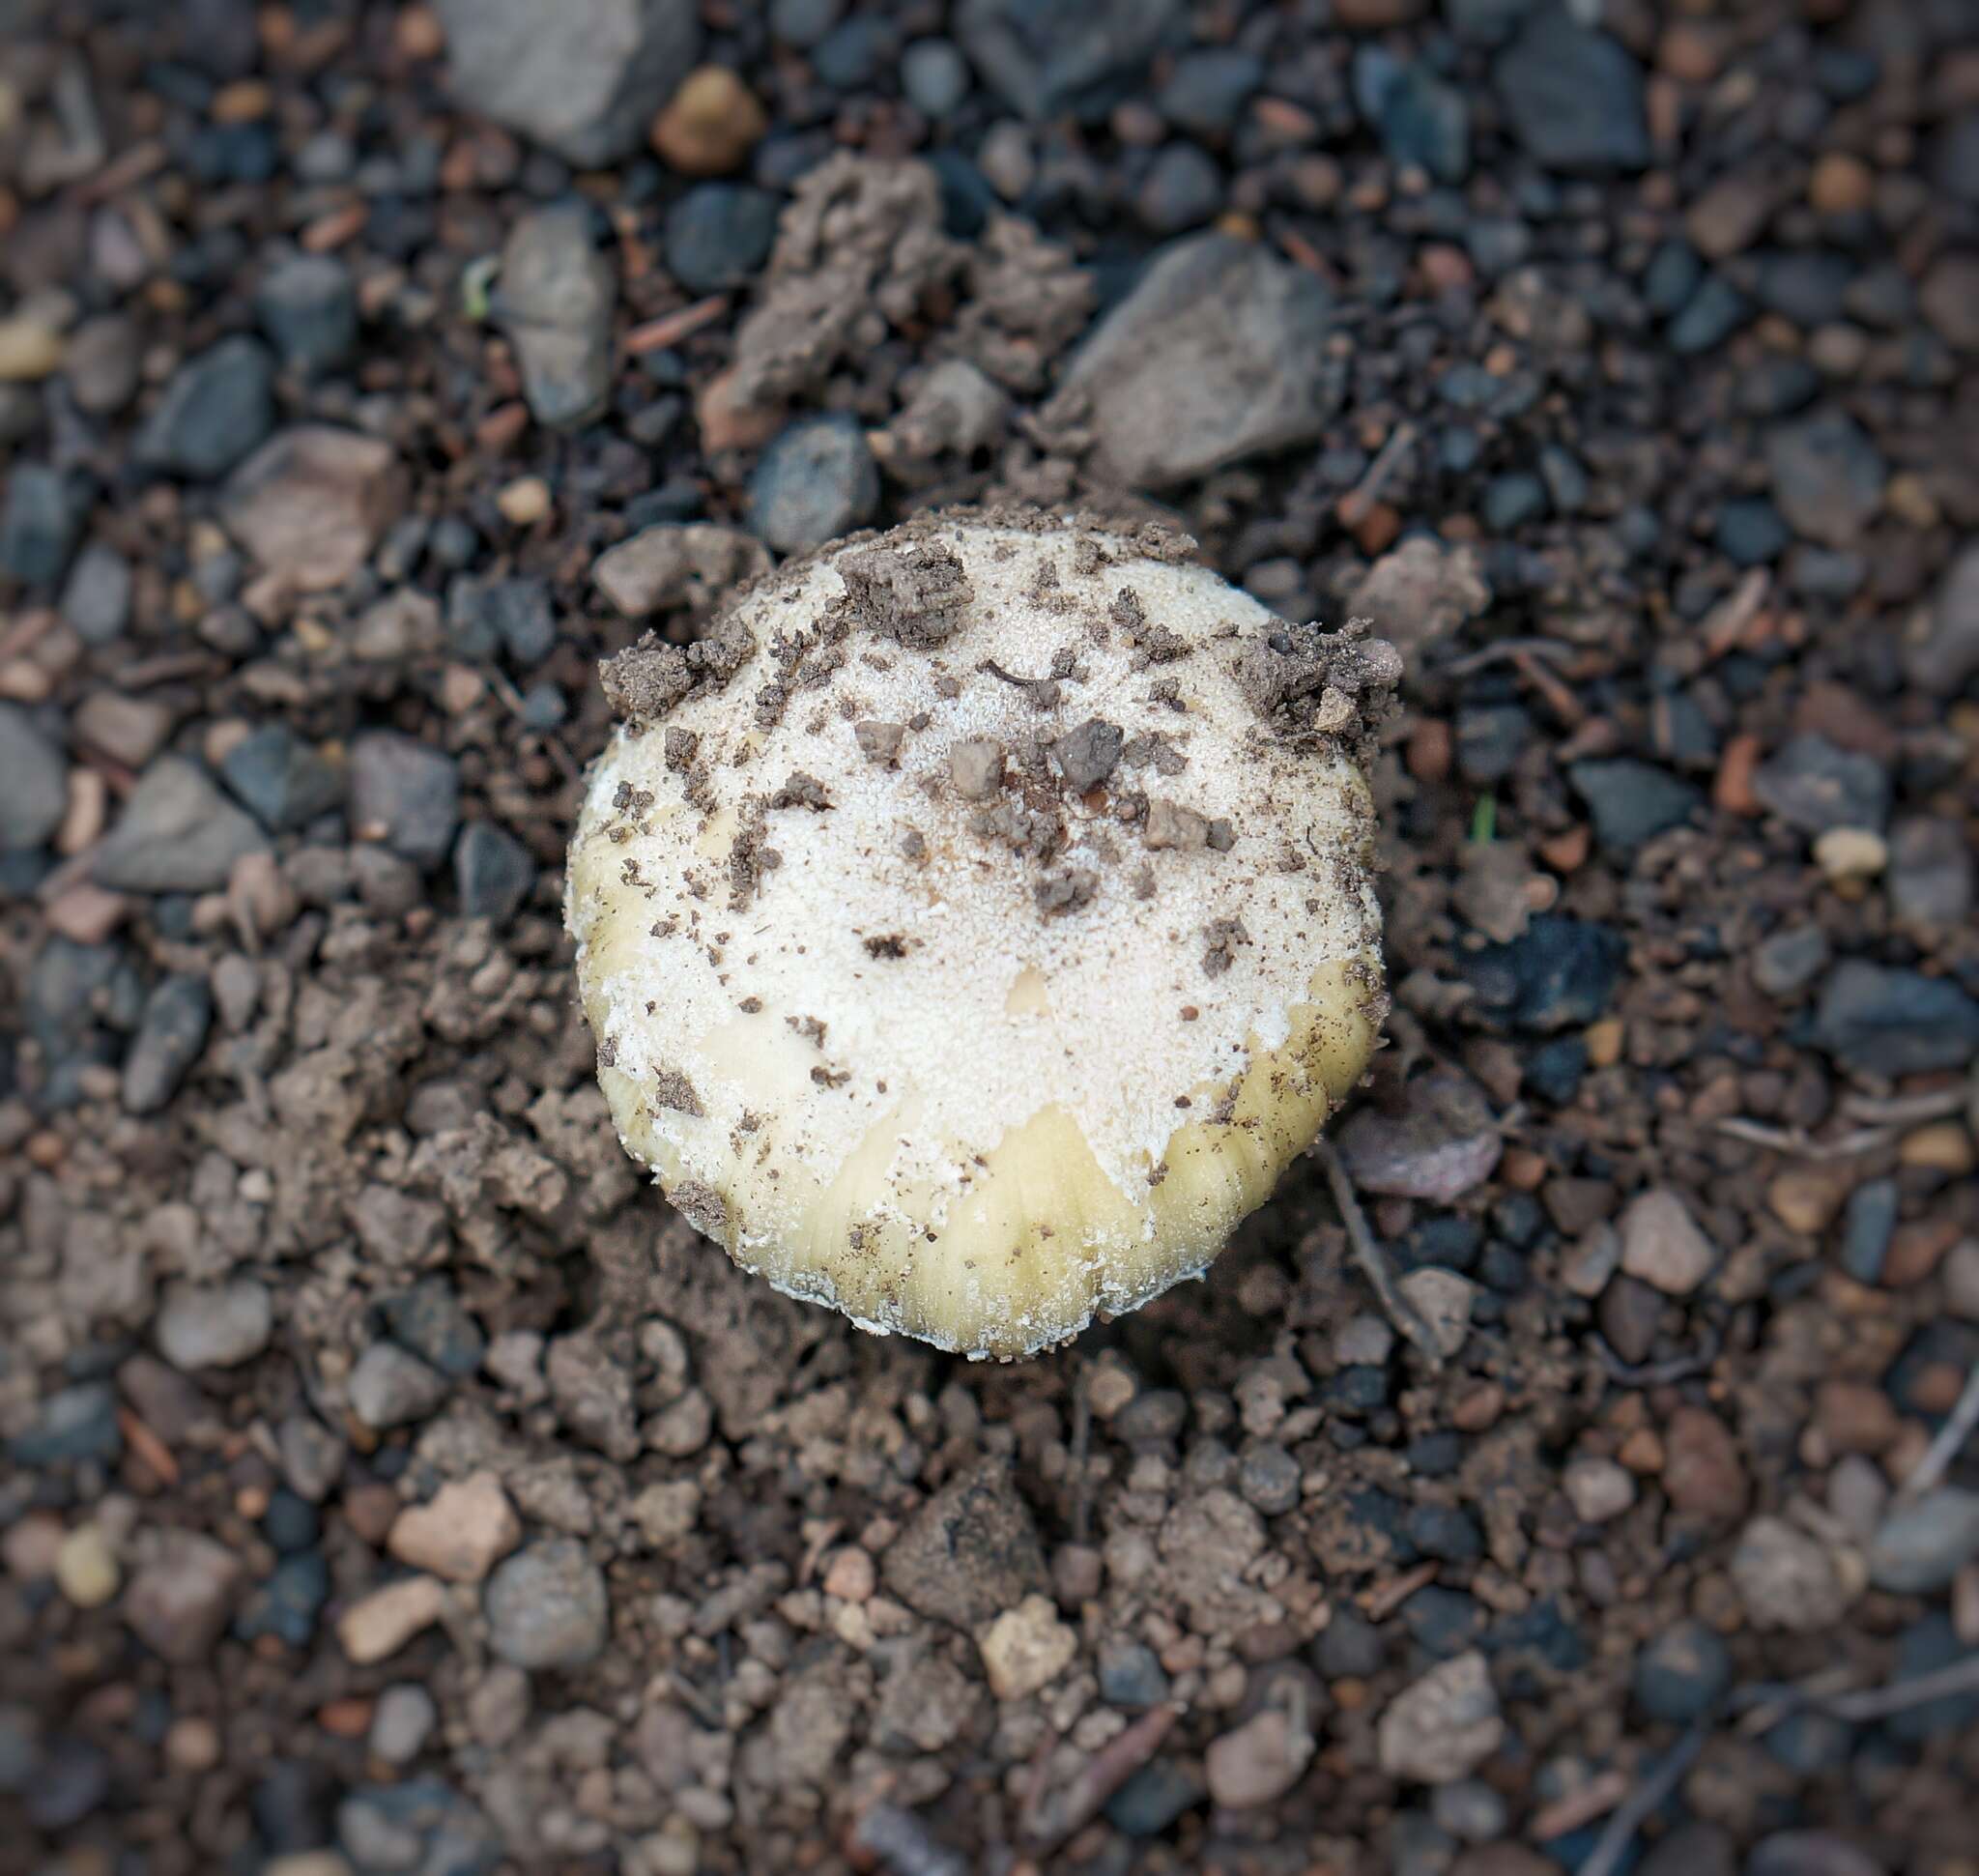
1259	1761
311	502
1662	1245
391	1387
1941	645
1891	1023
1574	95
815	482
693	564
1818	786
1442	1726
41	524
1441	1143
554	298
547	1607
34	787
179	1603
1827	477
407	792
970	1553
1922	1547
1026	1648
216	408
177	834
171	1036
461	1533
1787	1578
583	77
1046	61
1217	354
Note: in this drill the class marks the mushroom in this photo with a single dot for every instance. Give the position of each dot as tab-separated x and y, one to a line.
974	1031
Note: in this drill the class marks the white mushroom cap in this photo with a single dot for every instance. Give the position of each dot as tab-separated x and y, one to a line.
976	923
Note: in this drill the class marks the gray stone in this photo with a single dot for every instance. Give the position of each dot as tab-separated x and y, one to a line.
1941	649
1929	875
1436	1143
1922	1547
213	413
1816	786
547	1607
215	1325
74	1423
104	364
309	308
34	783
815	482
393	1387
1632	801
405	792
583	77
1895	1023
1207	88
97	597
419	1827
493	872
281	778
170	1038
179	1603
1682	1673
554	299
719	235
1420	119
402	1723
1182	190
934	75
1214	355
1827	477
1869	1221
312	1456
1046	60
1573	95
41	524
1789	959
177	834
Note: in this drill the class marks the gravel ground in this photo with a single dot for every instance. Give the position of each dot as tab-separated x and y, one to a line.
394	1483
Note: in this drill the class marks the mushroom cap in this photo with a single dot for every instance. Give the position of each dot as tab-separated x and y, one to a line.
977	921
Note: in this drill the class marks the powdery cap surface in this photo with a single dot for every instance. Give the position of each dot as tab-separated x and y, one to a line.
978	919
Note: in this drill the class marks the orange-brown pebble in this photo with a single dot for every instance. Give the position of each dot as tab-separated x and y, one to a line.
347	1719
1731	788
1841	185
1430	750
852	1576
712	123
1476	1409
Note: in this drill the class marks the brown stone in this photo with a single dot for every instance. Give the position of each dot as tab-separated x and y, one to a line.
1854	1417
1703	1471
1916	1249
712	123
311	502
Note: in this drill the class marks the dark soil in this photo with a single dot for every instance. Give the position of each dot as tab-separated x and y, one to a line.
394	1483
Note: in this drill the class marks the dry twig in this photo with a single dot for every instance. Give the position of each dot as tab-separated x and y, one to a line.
1628	1819
899	1841
1372	1258
1658	1375
1944	1448
1049	1822
1866	1703
1802	1144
